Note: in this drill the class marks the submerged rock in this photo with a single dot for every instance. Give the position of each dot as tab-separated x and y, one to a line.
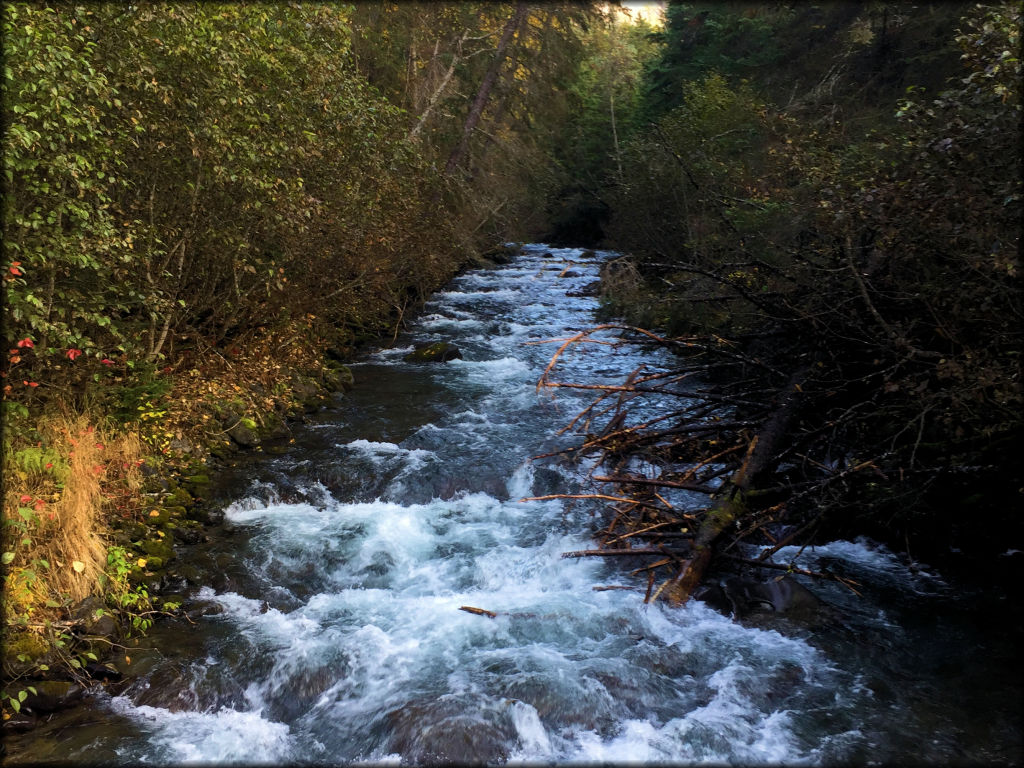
438	352
744	597
447	731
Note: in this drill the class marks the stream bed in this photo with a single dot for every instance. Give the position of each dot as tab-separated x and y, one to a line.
333	632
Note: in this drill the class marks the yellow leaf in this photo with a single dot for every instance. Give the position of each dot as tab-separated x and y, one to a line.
127	659
142	562
154	513
78	565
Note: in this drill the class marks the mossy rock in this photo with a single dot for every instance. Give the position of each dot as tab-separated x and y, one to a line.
243	434
174	513
157	548
344	374
438	352
331	380
221	449
33	648
179	497
53	695
273	428
188	532
161	517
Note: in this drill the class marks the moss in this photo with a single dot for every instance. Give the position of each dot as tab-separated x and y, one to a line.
440	351
27	644
221	449
158	517
341	374
179	497
157	548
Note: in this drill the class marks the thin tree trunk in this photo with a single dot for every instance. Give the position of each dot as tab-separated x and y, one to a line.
435	97
484	92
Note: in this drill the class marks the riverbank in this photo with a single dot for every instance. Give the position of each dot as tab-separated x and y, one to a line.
101	487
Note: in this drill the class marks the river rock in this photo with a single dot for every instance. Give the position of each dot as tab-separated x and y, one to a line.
342	373
744	597
243	435
438	352
19	722
94	617
450	732
52	695
502	254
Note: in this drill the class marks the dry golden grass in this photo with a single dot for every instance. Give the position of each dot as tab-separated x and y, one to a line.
56	510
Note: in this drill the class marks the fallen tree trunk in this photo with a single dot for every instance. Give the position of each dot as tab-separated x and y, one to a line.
731	504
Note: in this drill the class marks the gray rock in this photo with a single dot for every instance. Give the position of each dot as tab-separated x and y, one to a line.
243	436
438	352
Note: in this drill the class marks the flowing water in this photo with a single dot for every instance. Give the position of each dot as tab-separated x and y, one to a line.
333	631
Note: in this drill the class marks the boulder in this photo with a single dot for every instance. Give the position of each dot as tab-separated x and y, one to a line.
95	618
448	732
52	695
244	433
502	254
438	352
342	373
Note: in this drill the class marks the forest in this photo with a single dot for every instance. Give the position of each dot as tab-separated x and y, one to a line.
210	208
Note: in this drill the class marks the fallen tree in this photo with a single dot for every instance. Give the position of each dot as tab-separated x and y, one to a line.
721	441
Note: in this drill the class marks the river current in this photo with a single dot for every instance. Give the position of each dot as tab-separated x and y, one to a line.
333	632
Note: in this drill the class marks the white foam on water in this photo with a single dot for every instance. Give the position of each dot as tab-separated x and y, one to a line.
873	558
573	674
413	459
463	296
495	371
225	737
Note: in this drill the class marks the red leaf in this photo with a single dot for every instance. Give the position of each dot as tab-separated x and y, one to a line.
73	353
106	361
32	384
26	499
26	342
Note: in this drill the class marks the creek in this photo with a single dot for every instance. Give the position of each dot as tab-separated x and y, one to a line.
332	630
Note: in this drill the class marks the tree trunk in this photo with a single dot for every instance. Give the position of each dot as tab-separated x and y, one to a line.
731	504
435	97
484	92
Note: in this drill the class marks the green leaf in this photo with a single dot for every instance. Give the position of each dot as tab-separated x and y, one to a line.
7	557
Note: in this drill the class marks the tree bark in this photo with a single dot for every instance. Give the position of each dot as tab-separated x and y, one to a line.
483	93
731	504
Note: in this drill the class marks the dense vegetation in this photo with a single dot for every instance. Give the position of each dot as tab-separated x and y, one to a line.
207	206
832	193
